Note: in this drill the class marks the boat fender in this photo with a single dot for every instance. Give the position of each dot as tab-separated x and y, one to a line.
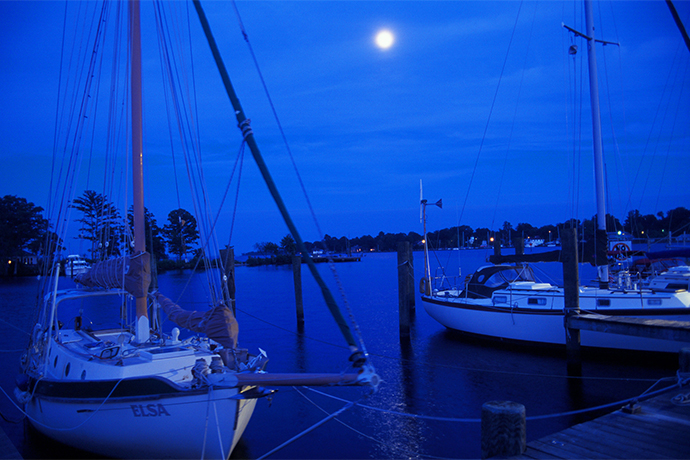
422	286
21	391
22	397
22	382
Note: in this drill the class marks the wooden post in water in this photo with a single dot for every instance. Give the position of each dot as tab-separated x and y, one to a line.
684	360
297	277
571	297
519	244
405	288
497	247
504	429
230	273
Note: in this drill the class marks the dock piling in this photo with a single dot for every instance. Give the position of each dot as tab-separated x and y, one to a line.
571	293
504	429
405	287
297	277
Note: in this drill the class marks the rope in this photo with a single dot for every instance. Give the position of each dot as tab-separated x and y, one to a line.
244	126
409	454
647	394
61	429
486	127
310	429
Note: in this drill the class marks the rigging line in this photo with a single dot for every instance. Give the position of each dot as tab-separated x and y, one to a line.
309	430
185	126
642	397
237	194
515	113
493	103
446	366
77	112
37	422
243	122
408	453
301	182
620	167
648	141
673	128
168	112
275	115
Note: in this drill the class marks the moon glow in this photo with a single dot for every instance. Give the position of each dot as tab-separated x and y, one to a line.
384	39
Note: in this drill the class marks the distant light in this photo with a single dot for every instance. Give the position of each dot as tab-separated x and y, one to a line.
384	39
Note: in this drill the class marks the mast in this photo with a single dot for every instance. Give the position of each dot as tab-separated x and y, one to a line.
358	356
600	184
142	325
600	187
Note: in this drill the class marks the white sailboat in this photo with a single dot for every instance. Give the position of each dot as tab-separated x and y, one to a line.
135	391
507	302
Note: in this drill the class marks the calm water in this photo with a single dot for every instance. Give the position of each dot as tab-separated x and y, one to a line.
438	374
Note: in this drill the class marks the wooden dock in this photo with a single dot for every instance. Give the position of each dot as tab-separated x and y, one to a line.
659	429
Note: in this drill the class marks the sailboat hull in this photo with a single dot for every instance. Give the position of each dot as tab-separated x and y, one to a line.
201	424
486	317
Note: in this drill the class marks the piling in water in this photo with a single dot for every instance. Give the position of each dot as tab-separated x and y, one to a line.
405	287
504	429
571	298
297	277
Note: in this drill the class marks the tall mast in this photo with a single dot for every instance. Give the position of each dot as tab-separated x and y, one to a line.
142	325
603	270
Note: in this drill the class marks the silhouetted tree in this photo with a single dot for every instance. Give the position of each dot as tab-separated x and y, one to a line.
180	232
100	223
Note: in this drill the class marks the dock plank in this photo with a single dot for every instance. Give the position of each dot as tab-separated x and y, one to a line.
660	429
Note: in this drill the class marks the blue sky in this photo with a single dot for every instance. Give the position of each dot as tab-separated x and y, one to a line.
365	125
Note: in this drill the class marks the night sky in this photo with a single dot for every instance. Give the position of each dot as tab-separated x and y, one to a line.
366	124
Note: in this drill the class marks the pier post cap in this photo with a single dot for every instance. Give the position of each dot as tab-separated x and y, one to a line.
503	406
504	429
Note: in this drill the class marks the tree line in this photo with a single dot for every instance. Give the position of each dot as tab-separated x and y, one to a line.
637	226
23	229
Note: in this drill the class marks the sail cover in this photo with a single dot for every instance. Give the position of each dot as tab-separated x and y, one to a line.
218	324
131	273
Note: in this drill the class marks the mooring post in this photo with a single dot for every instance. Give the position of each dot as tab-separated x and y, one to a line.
404	288
228	258
684	361
504	429
519	244
497	247
571	297
410	279
297	277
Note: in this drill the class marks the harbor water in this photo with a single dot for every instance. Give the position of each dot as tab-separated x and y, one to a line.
433	387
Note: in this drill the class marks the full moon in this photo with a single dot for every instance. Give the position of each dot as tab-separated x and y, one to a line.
384	39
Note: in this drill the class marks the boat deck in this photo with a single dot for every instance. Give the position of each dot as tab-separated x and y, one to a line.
660	429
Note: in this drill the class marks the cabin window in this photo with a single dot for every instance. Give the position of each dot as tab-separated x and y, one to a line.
83	375
603	302
55	362
536	301
67	369
500	299
654	302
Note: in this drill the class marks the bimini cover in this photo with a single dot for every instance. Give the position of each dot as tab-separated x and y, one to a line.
131	273
218	324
